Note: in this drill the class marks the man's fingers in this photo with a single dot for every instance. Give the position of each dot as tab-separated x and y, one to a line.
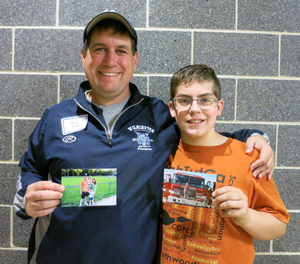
43	211
46	185
42	198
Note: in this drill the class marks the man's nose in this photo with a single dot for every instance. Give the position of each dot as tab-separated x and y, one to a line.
110	58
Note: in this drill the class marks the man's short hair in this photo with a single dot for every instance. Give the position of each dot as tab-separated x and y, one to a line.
196	72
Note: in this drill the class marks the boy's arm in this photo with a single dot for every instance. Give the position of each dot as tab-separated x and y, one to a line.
260	225
260	141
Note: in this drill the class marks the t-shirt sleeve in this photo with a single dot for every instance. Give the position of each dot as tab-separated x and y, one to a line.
266	198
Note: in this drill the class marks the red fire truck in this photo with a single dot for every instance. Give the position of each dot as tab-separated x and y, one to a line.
185	188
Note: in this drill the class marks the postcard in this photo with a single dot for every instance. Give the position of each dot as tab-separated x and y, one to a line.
89	187
188	188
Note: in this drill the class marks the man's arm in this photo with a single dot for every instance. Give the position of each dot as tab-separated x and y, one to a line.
260	141
260	225
36	196
265	163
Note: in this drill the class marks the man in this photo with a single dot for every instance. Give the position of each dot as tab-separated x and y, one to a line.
84	190
109	124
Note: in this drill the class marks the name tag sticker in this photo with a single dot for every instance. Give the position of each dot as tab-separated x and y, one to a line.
73	124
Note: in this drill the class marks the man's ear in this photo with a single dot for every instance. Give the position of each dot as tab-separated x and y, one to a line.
172	109
83	55
135	60
220	107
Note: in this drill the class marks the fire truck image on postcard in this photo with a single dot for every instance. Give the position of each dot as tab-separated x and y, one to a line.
188	188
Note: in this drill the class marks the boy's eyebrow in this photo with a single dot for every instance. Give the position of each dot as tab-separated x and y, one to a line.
201	95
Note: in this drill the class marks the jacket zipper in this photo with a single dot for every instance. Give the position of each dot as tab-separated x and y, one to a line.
108	135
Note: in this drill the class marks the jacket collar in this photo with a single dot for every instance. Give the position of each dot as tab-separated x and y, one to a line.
135	95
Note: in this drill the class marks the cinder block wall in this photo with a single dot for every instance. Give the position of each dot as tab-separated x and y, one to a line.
254	47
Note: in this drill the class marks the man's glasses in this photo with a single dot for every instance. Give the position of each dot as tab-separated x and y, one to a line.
186	102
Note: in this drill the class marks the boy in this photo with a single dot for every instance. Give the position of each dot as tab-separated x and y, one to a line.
91	196
245	207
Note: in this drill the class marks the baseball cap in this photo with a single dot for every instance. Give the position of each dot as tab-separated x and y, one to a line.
109	14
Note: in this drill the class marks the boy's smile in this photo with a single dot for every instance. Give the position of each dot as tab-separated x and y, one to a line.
195	109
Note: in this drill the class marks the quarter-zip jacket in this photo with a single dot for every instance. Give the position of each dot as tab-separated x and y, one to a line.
142	138
125	233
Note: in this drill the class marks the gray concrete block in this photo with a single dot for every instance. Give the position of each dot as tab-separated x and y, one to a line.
290	56
69	85
261	246
23	129
13	256
141	83
277	259
28	13
290	241
8	179
269	15
27	95
6	49
5	139
287	182
163	51
268	100
21	231
228	95
75	12
5	226
238	54
288	145
159	87
48	50
192	14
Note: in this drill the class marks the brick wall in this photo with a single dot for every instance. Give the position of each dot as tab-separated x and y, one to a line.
254	47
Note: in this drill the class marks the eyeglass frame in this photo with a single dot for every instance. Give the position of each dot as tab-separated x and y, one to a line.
194	99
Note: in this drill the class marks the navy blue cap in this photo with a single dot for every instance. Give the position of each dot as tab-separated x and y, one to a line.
109	14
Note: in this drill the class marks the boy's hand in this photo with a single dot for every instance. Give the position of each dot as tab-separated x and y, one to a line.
232	203
265	163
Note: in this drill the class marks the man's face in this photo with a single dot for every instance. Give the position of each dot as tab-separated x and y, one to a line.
109	65
196	124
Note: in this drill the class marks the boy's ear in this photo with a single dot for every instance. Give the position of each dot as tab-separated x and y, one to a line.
172	109
220	107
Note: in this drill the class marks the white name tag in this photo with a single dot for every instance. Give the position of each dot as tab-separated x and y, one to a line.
73	124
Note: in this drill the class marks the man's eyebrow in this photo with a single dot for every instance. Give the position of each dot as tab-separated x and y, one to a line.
101	44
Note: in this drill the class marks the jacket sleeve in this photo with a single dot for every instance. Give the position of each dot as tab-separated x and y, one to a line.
33	167
244	134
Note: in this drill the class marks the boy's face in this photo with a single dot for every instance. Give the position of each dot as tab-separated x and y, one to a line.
196	122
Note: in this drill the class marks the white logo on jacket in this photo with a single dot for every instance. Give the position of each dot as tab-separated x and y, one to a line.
69	139
143	139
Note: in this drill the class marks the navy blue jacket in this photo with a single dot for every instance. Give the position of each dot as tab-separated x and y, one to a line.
127	232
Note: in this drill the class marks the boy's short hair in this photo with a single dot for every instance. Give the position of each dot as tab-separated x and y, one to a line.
106	24
196	72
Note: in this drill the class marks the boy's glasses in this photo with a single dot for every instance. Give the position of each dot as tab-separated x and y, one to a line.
186	102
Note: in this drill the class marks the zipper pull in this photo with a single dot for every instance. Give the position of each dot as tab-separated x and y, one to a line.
109	139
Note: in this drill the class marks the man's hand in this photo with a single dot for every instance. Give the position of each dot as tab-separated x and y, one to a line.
265	163
232	203
42	198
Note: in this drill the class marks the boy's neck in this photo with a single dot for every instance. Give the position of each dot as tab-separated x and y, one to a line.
213	139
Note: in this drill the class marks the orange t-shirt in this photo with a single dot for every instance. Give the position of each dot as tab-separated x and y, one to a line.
84	186
193	234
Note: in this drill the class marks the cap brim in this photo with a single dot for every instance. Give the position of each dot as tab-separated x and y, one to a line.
109	15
